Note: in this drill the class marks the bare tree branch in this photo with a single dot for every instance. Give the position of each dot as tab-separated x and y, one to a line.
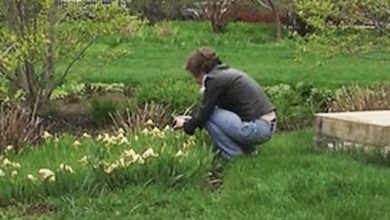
75	59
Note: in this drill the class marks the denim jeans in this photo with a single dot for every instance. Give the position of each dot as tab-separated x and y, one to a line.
234	137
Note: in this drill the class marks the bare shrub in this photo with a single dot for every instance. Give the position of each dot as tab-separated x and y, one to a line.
355	98
218	12
18	126
130	120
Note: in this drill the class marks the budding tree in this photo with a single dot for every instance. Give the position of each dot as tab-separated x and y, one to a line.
41	40
346	26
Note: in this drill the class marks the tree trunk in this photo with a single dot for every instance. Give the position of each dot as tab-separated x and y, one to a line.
279	27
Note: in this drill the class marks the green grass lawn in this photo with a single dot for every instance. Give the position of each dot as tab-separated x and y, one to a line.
289	180
247	47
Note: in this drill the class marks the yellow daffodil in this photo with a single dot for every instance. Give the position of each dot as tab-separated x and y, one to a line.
86	135
149	123
47	135
2	174
31	178
180	153
14	173
76	143
84	160
149	153
47	174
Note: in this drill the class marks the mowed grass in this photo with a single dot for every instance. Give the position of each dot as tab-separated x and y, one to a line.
289	180
156	55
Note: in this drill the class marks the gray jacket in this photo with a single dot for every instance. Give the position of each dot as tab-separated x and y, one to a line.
231	90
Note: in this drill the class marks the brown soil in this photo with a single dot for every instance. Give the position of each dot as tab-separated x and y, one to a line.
39	209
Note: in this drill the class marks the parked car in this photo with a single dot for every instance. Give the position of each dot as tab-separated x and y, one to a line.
194	12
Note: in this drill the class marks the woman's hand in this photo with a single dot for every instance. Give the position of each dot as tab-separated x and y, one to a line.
180	120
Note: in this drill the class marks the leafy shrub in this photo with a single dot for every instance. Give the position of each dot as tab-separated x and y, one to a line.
165	30
297	104
356	98
18	126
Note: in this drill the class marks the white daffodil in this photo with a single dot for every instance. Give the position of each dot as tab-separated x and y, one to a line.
129	153
47	174
31	178
7	162
123	141
46	135
121	131
9	148
145	131
120	136
84	160
99	137
180	153
15	165
86	135
149	122
167	128
2	174
76	143
136	138
67	168
149	153
122	162
140	160
14	173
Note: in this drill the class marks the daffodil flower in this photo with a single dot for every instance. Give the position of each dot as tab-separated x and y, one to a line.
145	131
86	135
31	178
47	135
84	160
14	173
9	148
180	153
121	131
77	143
99	137
123	141
67	168
140	160
136	138
120	136
149	123
47	174
2	174
167	128
129	153
149	153
6	162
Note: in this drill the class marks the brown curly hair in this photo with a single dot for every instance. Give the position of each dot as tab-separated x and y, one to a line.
202	60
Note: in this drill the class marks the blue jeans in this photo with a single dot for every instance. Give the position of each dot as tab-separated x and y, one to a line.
235	137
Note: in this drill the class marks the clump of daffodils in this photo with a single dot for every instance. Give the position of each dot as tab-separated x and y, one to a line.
47	175
14	173
8	163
